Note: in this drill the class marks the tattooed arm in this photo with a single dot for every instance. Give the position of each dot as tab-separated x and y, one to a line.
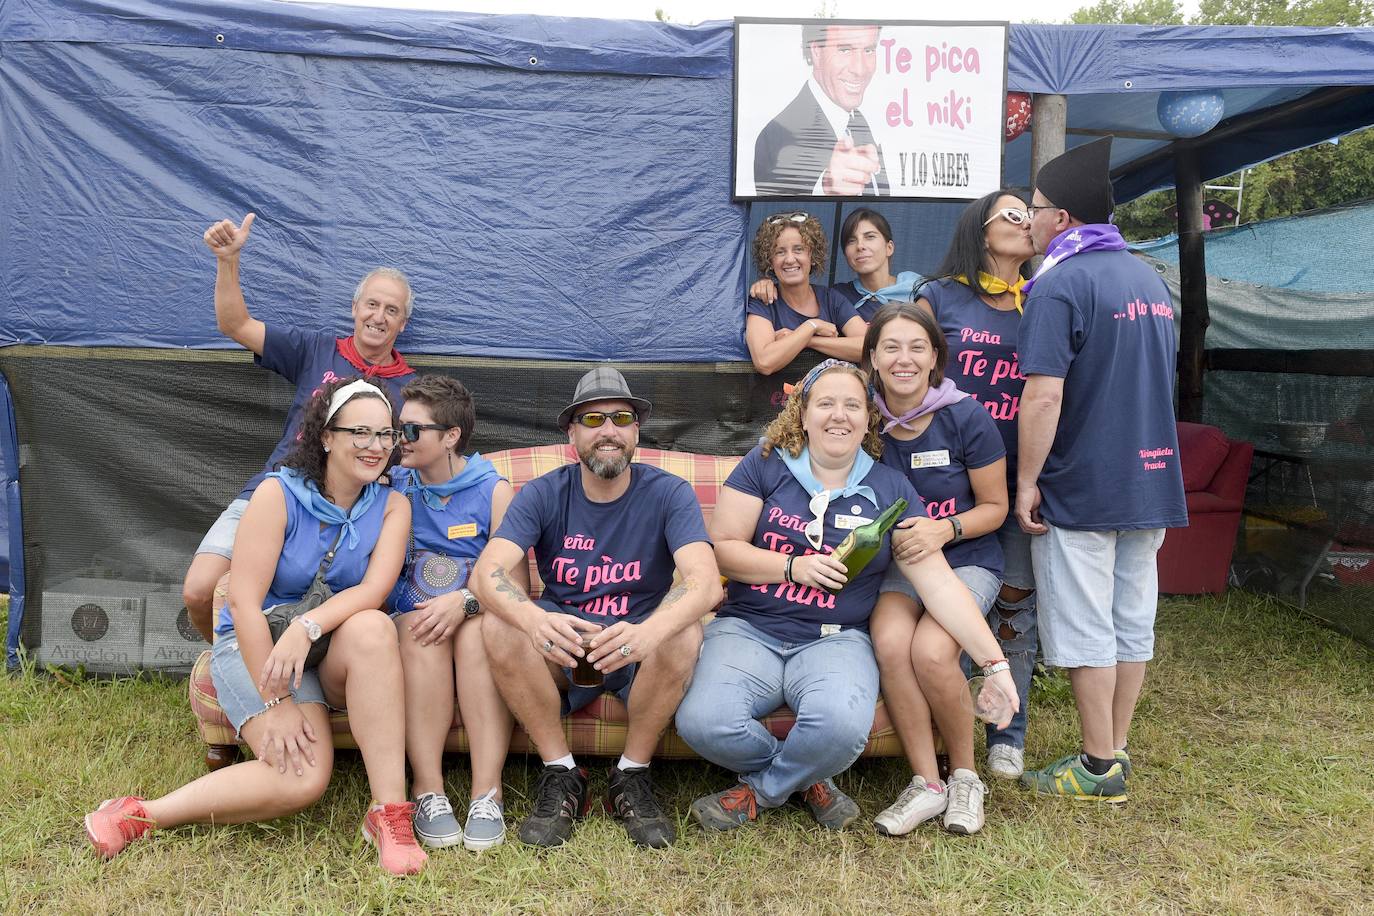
500	585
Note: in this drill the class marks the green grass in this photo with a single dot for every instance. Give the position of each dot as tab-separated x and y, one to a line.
1253	793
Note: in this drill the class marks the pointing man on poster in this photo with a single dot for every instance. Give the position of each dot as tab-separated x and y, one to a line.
821	143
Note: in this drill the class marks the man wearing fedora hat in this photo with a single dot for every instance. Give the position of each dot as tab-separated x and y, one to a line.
608	536
1098	473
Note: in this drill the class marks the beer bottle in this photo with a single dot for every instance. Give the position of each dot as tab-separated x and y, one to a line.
863	543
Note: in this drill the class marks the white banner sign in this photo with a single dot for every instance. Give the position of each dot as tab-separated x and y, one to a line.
850	109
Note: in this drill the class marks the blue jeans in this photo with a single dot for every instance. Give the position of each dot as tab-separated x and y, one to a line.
831	684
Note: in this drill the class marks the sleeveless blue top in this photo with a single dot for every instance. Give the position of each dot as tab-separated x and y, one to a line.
304	547
460	529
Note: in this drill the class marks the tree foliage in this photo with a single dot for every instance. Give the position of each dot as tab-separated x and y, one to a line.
1325	175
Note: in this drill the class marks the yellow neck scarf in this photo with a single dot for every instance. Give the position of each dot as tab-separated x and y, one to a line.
996	286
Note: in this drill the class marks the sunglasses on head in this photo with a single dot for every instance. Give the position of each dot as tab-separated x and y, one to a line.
797	216
410	432
1010	214
593	419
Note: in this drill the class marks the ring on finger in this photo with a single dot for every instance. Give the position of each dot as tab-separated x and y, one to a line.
548	645
625	651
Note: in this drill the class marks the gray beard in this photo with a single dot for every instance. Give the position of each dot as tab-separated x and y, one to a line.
606	468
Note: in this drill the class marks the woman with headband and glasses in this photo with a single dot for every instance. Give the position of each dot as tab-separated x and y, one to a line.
325	514
976	298
794	629
868	248
791	248
456	502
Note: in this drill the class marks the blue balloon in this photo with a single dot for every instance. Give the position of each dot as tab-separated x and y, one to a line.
1191	114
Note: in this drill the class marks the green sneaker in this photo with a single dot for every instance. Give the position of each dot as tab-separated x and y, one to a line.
1068	778
1124	759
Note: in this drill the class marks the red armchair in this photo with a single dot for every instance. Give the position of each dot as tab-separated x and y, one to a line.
1216	470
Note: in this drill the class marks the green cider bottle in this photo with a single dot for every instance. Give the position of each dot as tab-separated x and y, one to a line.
863	543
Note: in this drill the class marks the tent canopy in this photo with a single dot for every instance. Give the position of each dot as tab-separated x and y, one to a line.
531	174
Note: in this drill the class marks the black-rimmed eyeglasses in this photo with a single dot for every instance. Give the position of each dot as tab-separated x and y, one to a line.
363	437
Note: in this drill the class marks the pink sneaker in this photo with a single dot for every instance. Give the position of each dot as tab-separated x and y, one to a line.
390	829
116	824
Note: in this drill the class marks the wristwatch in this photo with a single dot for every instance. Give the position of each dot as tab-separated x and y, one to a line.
996	665
958	529
470	605
312	629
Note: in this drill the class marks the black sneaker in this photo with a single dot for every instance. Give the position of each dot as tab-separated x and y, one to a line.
631	800
559	797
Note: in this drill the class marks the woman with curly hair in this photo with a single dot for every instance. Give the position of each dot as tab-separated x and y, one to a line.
323	513
794	629
790	248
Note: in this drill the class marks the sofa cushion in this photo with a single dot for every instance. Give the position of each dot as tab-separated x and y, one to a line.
1201	449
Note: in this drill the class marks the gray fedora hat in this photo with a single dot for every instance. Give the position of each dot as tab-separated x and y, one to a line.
603	384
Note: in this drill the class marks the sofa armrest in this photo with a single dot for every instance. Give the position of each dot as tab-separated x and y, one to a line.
1231	478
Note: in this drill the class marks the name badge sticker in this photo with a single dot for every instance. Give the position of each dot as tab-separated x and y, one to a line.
849	522
936	459
468	530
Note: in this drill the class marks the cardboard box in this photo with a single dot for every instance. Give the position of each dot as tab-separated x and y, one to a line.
97	623
170	642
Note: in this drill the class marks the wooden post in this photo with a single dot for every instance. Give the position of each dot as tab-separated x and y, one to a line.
1192	272
1049	120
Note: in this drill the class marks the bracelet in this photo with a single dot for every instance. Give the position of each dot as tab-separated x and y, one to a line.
994	667
958	529
787	571
277	701
812	322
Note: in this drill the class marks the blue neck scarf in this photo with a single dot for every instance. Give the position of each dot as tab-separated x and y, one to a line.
900	291
474	472
800	467
310	496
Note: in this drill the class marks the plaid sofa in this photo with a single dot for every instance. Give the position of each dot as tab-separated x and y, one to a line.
598	729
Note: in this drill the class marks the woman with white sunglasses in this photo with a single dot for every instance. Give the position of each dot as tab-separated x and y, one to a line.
790	248
794	629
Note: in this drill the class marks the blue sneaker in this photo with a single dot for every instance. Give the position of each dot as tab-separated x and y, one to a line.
486	825
435	824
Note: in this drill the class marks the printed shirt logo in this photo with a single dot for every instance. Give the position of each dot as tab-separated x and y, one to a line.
936	459
467	530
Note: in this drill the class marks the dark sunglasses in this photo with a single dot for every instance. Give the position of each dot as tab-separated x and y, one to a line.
594	418
410	432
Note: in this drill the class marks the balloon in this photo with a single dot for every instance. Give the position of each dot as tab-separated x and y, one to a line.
1018	114
1191	114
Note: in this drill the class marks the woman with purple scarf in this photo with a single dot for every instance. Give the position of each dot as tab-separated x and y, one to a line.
949	448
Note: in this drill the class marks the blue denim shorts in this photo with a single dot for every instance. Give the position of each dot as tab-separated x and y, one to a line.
220	538
1097	593
981	582
617	683
237	689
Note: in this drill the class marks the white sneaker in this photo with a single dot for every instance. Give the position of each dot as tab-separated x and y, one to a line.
918	802
964	813
1006	761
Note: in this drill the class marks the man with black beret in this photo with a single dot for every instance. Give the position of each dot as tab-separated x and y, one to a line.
1098	477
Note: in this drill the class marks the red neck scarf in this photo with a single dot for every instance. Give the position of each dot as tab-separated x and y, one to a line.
395	369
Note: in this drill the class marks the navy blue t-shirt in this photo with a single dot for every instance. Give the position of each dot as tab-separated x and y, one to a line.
605	561
1102	321
982	356
959	437
834	308
801	613
308	360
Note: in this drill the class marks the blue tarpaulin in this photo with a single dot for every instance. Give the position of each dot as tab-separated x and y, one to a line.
556	188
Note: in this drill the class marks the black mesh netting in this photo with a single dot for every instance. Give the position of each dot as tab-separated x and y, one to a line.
127	456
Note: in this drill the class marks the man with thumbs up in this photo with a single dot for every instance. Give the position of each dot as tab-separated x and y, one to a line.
821	144
307	359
